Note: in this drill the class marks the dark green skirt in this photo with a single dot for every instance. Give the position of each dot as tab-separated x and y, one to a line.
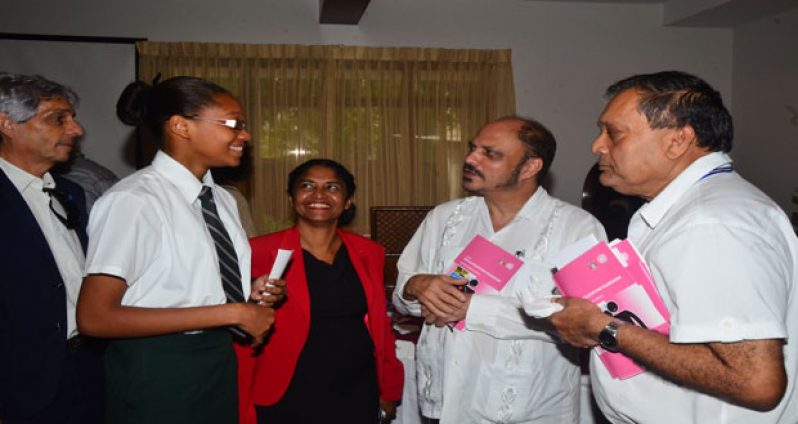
181	378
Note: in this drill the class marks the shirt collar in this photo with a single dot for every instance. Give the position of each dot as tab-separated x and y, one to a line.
653	211
180	176
530	208
22	180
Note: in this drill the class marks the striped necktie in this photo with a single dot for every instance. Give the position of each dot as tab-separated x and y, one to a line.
228	261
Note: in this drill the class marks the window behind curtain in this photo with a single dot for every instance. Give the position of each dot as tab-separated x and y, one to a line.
398	118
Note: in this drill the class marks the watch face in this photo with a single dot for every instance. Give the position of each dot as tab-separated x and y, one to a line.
607	338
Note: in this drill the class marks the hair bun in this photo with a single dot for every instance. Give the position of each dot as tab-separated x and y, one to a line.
133	103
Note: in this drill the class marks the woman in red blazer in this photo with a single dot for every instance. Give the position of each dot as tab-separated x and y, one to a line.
331	355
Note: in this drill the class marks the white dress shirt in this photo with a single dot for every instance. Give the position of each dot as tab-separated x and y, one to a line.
503	367
64	243
148	230
725	261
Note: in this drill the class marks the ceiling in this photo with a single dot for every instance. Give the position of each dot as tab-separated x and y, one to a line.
707	13
688	13
606	1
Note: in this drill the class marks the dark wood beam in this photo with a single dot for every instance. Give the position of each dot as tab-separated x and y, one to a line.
68	38
346	12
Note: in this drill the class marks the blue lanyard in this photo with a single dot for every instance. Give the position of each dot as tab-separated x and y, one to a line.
723	169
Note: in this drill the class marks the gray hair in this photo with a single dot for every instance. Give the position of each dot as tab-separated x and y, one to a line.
20	95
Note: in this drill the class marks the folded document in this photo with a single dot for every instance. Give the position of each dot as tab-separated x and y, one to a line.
485	266
614	277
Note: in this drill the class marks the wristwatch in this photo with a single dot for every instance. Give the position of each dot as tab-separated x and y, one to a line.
608	337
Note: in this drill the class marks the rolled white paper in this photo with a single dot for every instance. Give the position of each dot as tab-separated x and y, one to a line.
279	264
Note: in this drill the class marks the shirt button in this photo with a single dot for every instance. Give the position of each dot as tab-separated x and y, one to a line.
58	326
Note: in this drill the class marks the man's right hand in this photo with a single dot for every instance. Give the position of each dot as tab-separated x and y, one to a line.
256	320
439	294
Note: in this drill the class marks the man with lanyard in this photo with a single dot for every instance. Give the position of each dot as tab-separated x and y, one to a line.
502	367
722	254
48	372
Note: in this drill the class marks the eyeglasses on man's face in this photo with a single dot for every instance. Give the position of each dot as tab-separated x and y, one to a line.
236	124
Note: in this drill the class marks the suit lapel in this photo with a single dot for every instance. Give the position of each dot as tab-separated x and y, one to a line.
16	215
18	223
296	278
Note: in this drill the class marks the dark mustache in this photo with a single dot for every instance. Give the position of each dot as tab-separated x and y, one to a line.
470	168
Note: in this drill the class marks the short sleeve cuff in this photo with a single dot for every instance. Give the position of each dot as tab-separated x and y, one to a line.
108	270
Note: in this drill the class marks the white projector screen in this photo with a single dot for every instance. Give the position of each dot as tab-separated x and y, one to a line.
97	71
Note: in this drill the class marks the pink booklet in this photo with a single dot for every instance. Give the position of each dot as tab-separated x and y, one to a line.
614	277
486	266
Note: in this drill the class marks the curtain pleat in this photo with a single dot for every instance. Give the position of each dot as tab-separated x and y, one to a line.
398	118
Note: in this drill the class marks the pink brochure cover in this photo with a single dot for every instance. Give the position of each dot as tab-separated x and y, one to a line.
618	281
486	266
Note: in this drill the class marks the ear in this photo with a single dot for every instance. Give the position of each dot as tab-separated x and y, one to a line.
531	168
178	126
679	142
348	204
6	127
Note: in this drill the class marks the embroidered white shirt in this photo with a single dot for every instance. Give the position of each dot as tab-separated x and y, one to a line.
503	367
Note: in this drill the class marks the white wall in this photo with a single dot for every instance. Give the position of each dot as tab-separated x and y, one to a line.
564	54
766	104
74	65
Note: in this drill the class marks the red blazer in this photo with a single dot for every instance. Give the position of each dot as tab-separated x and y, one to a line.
263	379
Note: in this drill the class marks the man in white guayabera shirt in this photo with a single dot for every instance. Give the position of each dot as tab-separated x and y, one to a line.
503	367
723	256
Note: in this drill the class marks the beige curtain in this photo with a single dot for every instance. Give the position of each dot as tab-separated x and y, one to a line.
398	118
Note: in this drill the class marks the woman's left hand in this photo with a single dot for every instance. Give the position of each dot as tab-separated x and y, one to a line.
267	292
389	408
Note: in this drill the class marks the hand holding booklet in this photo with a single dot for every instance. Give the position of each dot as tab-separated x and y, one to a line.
486	266
614	277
